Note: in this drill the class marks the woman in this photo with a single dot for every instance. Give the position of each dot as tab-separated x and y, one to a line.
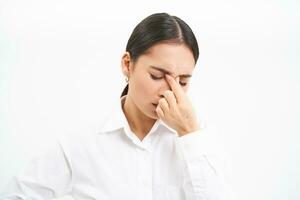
152	146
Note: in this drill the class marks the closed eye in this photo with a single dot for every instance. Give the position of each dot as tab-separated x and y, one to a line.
158	78
155	78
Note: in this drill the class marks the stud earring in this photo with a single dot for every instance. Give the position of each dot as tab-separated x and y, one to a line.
126	79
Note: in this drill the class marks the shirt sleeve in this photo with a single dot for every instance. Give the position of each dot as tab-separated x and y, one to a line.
206	168
47	176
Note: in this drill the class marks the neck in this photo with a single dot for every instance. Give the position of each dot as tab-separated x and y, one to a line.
139	123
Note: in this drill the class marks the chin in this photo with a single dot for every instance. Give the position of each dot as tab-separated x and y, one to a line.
155	117
152	115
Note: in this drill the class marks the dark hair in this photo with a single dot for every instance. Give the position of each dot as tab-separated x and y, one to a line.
159	27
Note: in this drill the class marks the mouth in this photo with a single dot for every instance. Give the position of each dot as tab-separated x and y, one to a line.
154	104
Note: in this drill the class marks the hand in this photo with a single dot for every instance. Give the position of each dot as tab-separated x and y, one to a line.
175	109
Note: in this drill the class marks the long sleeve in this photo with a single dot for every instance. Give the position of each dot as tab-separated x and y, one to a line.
47	176
207	172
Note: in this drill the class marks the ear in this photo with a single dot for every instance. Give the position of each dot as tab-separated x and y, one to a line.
126	64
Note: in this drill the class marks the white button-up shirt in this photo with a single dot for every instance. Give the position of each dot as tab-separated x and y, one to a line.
114	164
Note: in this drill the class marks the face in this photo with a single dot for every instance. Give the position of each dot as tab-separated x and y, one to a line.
147	81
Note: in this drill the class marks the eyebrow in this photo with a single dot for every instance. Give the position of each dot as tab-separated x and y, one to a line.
167	72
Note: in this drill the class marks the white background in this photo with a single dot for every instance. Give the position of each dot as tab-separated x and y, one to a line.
60	69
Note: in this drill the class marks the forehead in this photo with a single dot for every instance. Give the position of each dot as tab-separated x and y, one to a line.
175	58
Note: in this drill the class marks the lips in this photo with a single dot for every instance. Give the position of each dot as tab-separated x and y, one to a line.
154	104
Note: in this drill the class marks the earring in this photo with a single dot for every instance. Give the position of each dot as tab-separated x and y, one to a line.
126	79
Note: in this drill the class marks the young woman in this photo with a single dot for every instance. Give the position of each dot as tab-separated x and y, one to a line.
152	146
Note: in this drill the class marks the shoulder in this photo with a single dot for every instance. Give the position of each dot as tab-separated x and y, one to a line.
77	144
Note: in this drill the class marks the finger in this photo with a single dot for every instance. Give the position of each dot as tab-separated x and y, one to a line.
176	88
159	112
164	105
171	99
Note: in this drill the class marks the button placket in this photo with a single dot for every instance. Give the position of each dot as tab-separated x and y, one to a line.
145	173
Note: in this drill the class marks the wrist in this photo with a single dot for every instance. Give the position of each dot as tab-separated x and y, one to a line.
188	130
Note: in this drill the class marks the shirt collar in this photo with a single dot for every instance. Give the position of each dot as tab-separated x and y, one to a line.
116	119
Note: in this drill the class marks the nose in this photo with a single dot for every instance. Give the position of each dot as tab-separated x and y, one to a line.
165	86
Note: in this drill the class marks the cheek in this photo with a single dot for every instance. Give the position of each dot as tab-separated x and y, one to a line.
146	88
